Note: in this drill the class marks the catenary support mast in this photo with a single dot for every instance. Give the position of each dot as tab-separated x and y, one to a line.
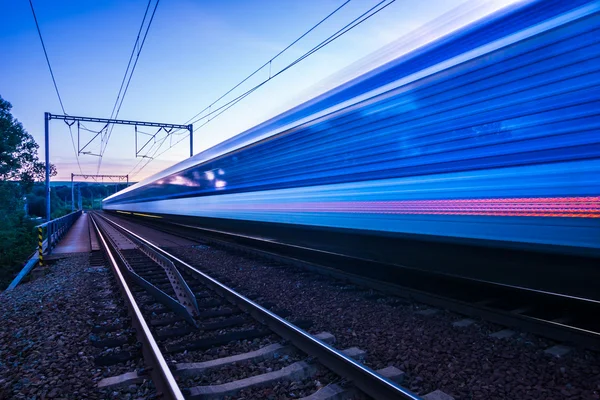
48	117
119	179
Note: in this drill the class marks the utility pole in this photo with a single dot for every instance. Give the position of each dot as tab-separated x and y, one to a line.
47	143
72	195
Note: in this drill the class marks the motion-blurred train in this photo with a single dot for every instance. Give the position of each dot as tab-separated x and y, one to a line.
476	155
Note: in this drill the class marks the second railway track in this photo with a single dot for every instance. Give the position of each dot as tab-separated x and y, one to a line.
182	312
555	316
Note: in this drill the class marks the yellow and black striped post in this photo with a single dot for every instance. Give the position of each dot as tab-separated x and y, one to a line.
40	249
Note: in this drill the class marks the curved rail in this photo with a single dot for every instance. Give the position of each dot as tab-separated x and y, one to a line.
363	377
161	374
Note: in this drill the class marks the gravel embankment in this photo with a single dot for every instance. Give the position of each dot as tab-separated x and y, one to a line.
463	362
45	332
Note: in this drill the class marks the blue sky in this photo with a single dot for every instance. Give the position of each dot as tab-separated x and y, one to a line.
195	51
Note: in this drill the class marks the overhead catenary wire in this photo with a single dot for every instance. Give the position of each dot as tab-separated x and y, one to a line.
213	114
121	96
149	158
269	63
351	25
137	39
47	59
354	23
137	57
104	145
37	25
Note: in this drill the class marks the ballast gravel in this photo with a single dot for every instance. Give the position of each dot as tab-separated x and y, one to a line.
46	350
464	362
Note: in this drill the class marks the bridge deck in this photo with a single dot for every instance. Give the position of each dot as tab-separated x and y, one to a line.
77	240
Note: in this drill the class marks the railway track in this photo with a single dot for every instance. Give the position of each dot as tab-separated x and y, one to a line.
181	313
112	332
556	316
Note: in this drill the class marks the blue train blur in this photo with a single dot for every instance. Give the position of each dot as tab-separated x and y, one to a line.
476	155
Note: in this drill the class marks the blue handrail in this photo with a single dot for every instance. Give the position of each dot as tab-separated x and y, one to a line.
54	231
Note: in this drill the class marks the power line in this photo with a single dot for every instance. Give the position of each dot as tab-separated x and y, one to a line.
47	59
269	63
112	113
235	87
153	156
137	57
37	25
220	110
150	158
115	113
137	39
348	27
102	150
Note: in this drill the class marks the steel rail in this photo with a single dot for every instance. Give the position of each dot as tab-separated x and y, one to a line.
278	250
543	327
162	377
157	293
363	377
523	289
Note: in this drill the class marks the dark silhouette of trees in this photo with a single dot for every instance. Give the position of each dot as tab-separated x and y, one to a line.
19	169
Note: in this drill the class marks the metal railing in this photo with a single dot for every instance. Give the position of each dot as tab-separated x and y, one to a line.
49	234
55	230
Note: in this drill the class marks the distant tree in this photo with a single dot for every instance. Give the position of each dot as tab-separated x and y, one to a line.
18	151
36	205
19	169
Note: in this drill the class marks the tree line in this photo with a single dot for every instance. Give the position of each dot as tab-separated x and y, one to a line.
91	194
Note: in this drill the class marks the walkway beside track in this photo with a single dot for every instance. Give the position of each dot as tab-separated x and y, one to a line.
77	240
